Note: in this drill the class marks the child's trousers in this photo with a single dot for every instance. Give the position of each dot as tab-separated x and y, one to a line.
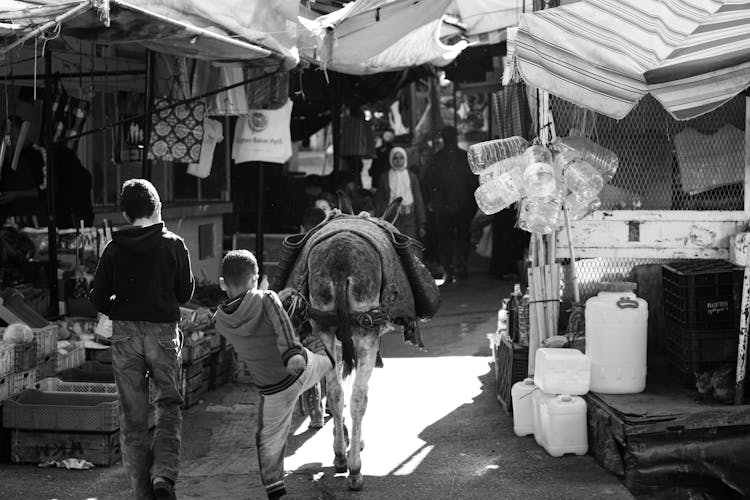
275	418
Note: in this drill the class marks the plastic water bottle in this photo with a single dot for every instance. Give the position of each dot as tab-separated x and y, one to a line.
539	175
499	193
497	169
541	215
583	179
579	208
482	155
502	317
602	159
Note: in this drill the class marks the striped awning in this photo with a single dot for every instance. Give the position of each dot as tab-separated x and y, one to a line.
605	55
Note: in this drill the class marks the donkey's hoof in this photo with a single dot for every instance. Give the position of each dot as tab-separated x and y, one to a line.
340	465
355	481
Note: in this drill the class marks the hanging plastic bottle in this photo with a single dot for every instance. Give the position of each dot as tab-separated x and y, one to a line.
583	179
497	169
579	208
538	176
502	317
602	159
499	193
542	215
484	155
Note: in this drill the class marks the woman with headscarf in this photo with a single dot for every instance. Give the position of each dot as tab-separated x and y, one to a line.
397	182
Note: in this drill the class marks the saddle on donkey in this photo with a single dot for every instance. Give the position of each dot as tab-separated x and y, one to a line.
408	291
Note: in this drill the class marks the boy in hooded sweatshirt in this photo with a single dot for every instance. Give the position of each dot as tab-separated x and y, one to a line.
142	278
256	324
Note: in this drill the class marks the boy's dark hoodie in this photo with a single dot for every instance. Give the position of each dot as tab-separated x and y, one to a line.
143	275
256	324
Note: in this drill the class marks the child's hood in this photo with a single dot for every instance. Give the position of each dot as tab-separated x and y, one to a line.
139	240
234	315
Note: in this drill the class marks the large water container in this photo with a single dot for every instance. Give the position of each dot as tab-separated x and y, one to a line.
563	423
500	192
616	337
562	371
537	399
495	153
523	407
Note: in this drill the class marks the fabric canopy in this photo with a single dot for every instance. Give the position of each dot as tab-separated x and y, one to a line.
373	36
255	32
485	21
605	55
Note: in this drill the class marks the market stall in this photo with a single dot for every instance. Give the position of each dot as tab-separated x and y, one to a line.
658	87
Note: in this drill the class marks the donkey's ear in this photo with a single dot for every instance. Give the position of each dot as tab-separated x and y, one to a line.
345	204
391	211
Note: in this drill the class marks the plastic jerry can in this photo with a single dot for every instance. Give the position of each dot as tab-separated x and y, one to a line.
537	397
563	423
616	339
562	371
523	407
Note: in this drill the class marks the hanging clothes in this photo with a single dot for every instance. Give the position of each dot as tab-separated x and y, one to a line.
231	102
264	135
212	135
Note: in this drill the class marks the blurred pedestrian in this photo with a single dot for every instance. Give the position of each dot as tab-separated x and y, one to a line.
399	182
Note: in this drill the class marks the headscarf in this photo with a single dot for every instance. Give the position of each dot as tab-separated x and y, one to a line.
398	179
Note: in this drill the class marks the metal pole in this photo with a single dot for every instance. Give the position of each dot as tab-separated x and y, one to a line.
146	163
336	120
54	290
259	221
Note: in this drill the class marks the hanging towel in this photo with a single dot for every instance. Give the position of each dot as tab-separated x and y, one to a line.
212	135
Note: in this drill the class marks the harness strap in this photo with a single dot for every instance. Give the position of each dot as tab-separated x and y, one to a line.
374	318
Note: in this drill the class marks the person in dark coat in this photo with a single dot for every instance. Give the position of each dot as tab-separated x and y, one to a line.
451	185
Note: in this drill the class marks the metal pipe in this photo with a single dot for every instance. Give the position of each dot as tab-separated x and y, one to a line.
54	290
94	74
259	222
146	163
80	9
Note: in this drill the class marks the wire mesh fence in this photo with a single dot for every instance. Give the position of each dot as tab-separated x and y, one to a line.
665	164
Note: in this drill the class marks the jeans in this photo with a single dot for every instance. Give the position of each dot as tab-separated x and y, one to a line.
275	419
453	235
138	348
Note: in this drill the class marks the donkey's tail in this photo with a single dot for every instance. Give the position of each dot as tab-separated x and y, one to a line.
344	331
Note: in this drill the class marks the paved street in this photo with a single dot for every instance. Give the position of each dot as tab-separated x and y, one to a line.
433	430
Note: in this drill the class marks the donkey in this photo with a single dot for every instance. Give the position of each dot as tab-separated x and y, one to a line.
358	286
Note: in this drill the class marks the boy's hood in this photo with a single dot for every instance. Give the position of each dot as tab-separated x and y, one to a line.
139	240
235	313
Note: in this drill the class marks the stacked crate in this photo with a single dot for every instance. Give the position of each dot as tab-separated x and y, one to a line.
702	300
196	358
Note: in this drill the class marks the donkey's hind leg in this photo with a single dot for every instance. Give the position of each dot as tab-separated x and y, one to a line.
335	398
367	348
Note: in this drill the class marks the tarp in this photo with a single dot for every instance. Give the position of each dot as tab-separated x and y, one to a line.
219	30
485	21
605	55
373	36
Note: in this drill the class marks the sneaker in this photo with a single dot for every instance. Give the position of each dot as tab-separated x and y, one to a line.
163	489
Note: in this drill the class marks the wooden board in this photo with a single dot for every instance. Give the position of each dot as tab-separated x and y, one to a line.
37	447
653	234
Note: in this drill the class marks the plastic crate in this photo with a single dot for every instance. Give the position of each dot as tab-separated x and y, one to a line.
692	350
6	359
60	411
19	382
56	385
44	337
4	389
89	371
702	293
511	366
47	367
74	358
24	357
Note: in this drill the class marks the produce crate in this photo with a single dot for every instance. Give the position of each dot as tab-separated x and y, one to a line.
47	367
73	359
511	366
99	448
52	384
6	358
195	350
702	294
89	371
60	411
46	340
24	357
18	382
692	350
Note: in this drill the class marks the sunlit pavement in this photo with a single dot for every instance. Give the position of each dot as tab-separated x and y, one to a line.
433	430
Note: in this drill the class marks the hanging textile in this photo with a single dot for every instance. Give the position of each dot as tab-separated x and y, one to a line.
207	78
68	115
212	135
271	92
176	130
264	135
